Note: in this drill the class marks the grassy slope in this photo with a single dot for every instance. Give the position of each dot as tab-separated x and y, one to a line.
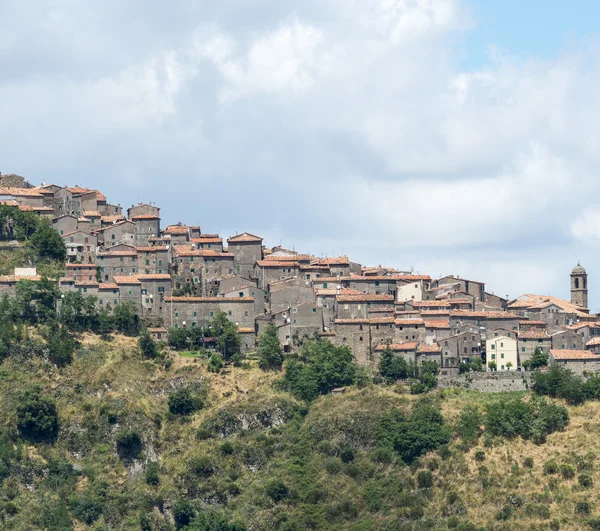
109	388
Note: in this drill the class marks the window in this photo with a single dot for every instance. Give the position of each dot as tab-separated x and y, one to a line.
176	314
246	313
112	237
360	338
501	344
522	349
160	262
241	293
314	310
493	346
495	334
130	292
212	314
502	367
324	284
493	356
147	300
147	262
121	259
229	312
377	282
502	355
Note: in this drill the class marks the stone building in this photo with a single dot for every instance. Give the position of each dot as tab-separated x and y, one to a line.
179	234
291	292
409	329
357	306
154	289
108	295
80	272
578	361
529	340
461	348
247	250
146	226
81	247
65	224
202	267
363	336
116	234
198	311
130	290
143	209
8	283
153	259
117	263
270	271
212	242
579	287
472	287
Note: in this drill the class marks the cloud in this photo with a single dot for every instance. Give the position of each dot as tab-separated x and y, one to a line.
334	125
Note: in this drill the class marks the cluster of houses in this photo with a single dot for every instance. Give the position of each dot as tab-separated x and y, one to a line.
179	276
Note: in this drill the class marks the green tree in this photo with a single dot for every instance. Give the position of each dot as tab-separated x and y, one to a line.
229	342
320	368
182	402
538	359
126	319
37	416
270	353
47	243
391	366
61	345
148	345
177	338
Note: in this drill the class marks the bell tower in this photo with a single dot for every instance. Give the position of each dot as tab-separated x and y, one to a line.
579	287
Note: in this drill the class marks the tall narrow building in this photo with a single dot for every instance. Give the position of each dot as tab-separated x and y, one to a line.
579	287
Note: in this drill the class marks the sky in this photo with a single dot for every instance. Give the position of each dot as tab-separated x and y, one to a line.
443	136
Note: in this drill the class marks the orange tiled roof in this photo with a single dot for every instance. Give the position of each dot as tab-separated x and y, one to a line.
8	202
434	347
365	297
565	354
116	253
91	214
10	279
157	330
157	276
578	326
186	250
409	322
399	347
533	323
246	330
432	313
244	237
108	285
429	304
290	258
207	239
593	342
381	310
372	320
439	325
144	216
86	283
276	263
110	219
338	260
533	334
209	299
126	280
21	192
530	300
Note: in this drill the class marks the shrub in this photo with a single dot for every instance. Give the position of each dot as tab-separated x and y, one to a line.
586	481
37	416
129	444
383	455
332	466
479	456
277	490
528	462
86	509
201	465
227	448
567	471
148	346
177	338
469	424
181	402
594	523
550	467
537	510
215	364
425	479
183	512
347	454
152	477
202	434
391	366
505	513
582	507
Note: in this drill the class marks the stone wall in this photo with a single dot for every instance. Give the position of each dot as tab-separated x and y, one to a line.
488	382
11	180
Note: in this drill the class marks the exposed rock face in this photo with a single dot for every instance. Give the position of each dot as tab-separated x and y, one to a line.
12	180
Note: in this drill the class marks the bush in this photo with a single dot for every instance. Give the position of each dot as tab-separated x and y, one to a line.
550	467
425	479
582	507
469	424
86	509
347	454
215	364
333	466
201	466
61	345
181	402
586	481
152	477
538	510
183	512
37	416
391	366
227	448
270	353
505	513
277	490
528	462
148	346
479	456
177	338
129	444
567	471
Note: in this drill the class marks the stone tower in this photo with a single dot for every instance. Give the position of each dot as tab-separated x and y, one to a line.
579	287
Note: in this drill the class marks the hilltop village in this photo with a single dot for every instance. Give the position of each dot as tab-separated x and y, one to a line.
178	276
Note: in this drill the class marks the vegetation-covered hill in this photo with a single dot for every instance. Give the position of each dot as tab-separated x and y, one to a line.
112	441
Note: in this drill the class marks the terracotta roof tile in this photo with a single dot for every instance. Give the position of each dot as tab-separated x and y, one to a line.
244	237
365	297
91	214
10	279
276	263
289	258
108	285
533	334
409	322
144	216
399	347
437	325
593	342
21	192
157	276
207	239
560	354
434	347
210	299
246	330
157	330
126	280
372	320
186	250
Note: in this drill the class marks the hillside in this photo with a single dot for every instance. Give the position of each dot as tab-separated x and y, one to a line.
258	458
